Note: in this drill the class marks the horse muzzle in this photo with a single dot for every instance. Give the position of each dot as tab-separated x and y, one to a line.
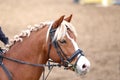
82	65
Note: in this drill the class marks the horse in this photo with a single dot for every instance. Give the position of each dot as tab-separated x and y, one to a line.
28	53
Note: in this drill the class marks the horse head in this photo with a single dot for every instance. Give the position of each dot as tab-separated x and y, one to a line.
64	48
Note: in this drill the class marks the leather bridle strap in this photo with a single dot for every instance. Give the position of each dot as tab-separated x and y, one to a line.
21	62
5	69
27	63
64	59
78	52
58	49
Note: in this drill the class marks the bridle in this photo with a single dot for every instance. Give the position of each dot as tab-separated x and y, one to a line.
66	62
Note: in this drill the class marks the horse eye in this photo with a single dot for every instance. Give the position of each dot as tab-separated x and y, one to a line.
63	41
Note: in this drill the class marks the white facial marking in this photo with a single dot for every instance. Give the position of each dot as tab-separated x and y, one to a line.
83	64
73	41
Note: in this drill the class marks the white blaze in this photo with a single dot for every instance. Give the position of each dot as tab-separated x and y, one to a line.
83	64
73	41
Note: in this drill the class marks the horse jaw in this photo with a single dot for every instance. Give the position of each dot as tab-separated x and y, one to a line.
82	66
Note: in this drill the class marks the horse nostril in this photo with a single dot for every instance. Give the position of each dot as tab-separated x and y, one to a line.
84	66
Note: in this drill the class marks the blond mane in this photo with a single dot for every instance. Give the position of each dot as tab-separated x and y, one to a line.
62	30
25	33
59	34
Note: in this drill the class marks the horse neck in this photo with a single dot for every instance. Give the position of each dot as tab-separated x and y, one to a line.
32	49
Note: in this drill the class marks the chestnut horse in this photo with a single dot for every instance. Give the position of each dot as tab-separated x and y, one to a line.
49	40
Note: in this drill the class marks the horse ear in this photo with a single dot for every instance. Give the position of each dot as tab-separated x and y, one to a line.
58	22
68	19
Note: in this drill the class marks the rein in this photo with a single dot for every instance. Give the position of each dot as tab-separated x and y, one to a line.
50	66
27	63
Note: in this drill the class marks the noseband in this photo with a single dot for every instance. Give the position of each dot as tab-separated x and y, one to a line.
66	62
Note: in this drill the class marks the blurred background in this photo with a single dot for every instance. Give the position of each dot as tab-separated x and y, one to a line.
97	23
